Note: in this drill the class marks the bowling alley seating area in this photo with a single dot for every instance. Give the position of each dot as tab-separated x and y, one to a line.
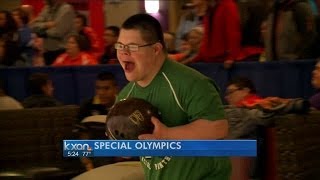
31	139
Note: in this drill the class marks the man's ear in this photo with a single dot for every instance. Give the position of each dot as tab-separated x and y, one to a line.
158	47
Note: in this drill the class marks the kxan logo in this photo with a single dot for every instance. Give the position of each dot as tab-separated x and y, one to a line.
76	146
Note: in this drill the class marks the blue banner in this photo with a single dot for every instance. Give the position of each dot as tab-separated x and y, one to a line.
105	148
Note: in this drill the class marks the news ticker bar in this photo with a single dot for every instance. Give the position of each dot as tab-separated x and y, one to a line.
113	148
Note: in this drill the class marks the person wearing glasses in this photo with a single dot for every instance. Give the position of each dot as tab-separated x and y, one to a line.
241	91
189	102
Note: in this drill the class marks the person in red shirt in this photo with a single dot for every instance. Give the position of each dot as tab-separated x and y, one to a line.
222	33
76	54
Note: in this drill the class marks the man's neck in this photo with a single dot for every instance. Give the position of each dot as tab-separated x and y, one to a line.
158	65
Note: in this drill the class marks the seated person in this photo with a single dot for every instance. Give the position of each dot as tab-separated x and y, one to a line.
41	89
110	36
7	102
82	28
315	99
76	53
92	124
246	113
185	48
8	54
194	38
241	91
105	94
169	39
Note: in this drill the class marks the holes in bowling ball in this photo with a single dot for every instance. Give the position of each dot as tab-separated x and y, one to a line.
119	134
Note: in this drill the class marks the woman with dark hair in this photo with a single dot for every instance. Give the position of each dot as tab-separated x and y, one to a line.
9	35
81	25
8	54
76	53
25	34
8	27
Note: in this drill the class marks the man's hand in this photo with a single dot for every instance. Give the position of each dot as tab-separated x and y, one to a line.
160	131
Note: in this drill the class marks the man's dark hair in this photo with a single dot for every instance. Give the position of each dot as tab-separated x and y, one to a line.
243	82
115	30
107	76
149	27
83	19
37	81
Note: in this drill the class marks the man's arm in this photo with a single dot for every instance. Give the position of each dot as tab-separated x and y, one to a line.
59	27
40	21
198	129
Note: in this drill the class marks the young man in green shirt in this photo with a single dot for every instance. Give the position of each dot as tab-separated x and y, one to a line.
189	103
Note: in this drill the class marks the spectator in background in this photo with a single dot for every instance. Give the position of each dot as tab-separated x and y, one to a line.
82	28
315	99
169	39
9	34
25	35
9	55
37	46
8	27
290	31
7	102
185	49
54	24
30	12
41	89
195	14
89	126
195	37
110	36
240	91
222	33
252	14
105	94
76	53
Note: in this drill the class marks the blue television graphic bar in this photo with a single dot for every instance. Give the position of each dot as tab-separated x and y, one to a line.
105	148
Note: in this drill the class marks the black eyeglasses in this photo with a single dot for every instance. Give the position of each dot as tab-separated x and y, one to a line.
130	47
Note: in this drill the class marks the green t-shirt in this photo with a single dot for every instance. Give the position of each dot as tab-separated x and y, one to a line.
182	95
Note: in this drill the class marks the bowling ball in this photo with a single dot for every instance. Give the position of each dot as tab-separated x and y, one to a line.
129	118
